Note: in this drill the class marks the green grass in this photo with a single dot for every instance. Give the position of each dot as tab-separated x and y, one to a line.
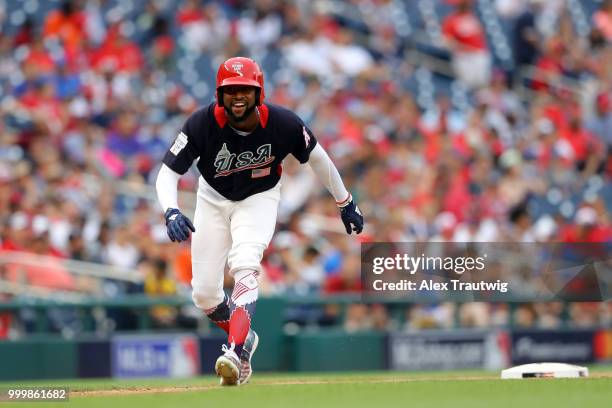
470	389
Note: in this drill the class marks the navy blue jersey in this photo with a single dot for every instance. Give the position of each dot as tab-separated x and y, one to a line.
239	166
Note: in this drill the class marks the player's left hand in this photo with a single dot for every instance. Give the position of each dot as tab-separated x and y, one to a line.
352	218
178	225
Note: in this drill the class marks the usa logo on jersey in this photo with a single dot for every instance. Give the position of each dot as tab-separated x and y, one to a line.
227	162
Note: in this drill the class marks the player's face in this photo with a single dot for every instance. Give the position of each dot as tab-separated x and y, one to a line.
239	101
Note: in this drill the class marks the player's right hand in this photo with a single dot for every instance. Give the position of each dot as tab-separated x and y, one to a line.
178	225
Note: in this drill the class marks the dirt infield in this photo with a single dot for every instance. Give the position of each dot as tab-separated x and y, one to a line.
208	387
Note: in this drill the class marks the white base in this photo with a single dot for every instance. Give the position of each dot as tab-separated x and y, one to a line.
545	370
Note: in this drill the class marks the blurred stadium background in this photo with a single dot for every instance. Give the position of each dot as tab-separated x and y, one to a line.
482	120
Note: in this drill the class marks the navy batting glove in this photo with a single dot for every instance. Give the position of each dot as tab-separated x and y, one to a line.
177	225
352	218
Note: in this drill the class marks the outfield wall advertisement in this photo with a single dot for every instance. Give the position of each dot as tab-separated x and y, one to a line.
448	350
533	346
603	345
141	356
5	324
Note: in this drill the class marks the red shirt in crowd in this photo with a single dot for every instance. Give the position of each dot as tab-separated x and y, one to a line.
69	28
340	284
577	233
465	30
51	274
40	59
119	53
581	141
546	67
188	15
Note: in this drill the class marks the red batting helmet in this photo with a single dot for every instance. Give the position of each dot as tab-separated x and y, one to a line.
240	71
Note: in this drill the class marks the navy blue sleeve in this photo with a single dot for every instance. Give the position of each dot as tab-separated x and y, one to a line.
303	143
184	150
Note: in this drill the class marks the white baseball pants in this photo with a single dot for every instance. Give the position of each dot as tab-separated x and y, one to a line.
228	232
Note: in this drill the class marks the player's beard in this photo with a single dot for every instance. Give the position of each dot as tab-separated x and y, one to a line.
241	118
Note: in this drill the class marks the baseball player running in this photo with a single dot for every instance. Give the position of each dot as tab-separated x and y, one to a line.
240	144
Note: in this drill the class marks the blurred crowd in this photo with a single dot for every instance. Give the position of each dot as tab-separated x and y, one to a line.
92	93
447	315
